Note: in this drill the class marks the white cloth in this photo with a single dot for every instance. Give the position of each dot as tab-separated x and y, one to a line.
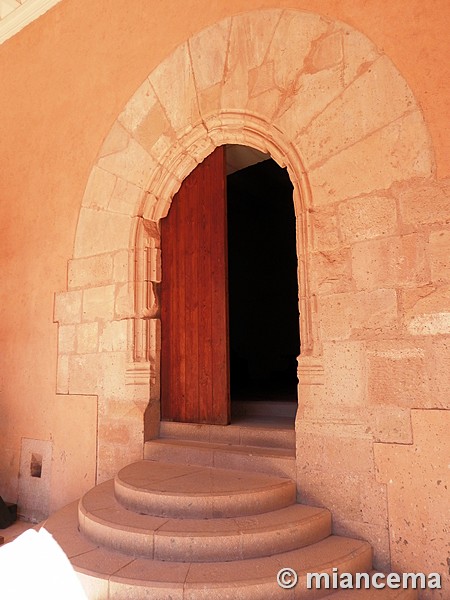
34	567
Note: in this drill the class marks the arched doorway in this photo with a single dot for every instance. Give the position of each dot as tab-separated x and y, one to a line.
262	284
224	335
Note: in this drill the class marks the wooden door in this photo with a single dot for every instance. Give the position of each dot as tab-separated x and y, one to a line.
194	304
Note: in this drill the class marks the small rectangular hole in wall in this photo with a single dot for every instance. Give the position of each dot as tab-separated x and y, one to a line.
36	465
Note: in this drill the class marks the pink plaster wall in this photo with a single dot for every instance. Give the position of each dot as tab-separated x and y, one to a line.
65	78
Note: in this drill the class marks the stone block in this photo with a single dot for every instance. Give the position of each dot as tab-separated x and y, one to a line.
424	202
116	141
99	189
113	336
66	339
67	307
345	373
390	262
427	310
208	51
133	164
101	232
121	267
173	82
91	271
367	217
387	423
439	248
331	271
138	107
359	314
62	374
155	133
325	228
397	152
336	448
244	55
126	198
124	303
375	99
87	338
359	53
417	504
98	303
397	374
438	367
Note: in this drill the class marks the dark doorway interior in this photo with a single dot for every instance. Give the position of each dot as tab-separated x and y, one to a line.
263	291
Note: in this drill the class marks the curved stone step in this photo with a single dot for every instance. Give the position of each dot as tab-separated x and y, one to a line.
176	490
374	594
113	575
103	520
256	459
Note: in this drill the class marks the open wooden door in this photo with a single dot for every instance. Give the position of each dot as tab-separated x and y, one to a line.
194	300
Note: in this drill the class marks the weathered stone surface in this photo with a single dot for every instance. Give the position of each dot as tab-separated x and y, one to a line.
375	99
87	338
67	307
424	202
359	52
121	267
331	271
98	303
438	368
101	232
361	314
245	55
397	152
62	374
416	503
345	373
427	310
113	336
99	189
173	82
133	163
367	217
325	228
208	54
138	107
66	339
387	423
126	198
397	374
439	248
390	262
91	271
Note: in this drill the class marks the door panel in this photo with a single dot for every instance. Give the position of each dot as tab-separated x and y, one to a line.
194	307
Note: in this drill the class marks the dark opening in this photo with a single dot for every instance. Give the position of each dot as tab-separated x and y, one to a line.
36	465
263	290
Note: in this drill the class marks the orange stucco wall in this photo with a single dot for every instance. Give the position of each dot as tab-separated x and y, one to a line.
64	79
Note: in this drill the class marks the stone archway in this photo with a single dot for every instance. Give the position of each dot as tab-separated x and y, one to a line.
314	94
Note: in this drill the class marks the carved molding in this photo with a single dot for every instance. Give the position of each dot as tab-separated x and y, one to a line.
16	18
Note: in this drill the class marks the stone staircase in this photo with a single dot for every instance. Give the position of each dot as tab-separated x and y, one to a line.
210	513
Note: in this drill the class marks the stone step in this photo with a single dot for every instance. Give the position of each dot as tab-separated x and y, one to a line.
374	594
247	431
106	522
256	459
114	575
165	489
264	408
